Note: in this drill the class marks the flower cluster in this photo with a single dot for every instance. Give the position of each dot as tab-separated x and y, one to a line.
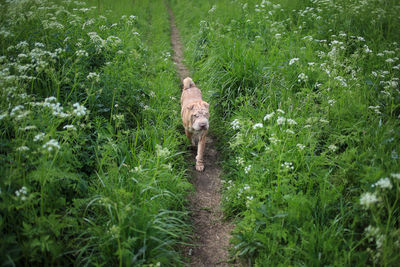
79	110
257	125
287	165
21	193
162	152
51	144
368	199
235	124
383	183
93	76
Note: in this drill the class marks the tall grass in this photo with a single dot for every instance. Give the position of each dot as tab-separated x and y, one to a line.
91	168
306	103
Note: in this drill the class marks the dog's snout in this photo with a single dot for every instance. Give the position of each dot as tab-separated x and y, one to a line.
203	125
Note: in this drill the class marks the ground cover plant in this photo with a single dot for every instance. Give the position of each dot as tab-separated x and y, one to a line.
305	100
92	171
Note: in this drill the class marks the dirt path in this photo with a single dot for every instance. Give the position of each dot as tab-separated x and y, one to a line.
211	232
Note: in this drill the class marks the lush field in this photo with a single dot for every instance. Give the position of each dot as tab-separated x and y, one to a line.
92	170
306	105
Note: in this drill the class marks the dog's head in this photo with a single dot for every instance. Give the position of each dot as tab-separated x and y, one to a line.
199	115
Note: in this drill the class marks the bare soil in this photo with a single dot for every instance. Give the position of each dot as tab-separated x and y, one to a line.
211	232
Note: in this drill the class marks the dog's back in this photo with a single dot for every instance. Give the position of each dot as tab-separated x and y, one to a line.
190	92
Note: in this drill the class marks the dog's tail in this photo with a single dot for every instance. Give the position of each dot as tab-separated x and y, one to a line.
188	83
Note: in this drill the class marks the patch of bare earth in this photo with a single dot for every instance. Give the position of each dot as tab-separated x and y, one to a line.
211	232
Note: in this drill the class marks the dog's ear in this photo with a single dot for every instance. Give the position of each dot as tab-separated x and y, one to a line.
205	104
191	106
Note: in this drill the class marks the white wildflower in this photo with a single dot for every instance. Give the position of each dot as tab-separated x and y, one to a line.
23	115
79	110
291	122
367	199
395	175
257	125
168	166
2	116
16	110
367	50
380	239
22	148
239	161
97	40
50	99
247	169
212	9
372	231
69	127
235	124
269	116
138	169
308	38
274	140
52	144
27	128
162	152
332	148
383	183
293	60
21	193
38	137
300	146
280	111
81	53
302	77
93	76
287	165
341	80
281	120
388	52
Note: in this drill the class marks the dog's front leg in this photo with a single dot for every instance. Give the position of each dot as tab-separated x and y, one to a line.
200	152
190	137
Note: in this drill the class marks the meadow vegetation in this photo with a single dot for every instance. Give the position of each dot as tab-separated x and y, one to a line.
92	169
305	105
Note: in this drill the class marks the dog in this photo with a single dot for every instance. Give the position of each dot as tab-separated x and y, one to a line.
195	116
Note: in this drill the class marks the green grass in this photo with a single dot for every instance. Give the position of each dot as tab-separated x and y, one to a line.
305	106
92	168
305	98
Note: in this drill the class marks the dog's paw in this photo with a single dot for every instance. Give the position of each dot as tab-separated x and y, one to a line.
199	167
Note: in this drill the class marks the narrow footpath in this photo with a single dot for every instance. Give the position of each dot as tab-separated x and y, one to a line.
211	232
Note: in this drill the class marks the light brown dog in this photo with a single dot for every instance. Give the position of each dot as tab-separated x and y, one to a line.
195	115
